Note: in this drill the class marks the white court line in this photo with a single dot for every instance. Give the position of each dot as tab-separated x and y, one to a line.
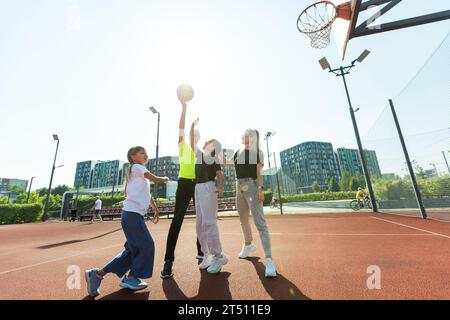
416	216
404	225
57	259
339	234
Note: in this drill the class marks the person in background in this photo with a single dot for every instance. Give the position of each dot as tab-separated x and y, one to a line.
97	209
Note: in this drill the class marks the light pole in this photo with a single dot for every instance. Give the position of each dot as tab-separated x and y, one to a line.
435	168
341	72
44	216
114	181
278	181
152	109
445	159
266	137
29	189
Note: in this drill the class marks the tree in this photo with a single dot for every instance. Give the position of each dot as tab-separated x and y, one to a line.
42	191
16	189
3	200
344	182
315	187
361	180
22	198
353	184
333	185
60	189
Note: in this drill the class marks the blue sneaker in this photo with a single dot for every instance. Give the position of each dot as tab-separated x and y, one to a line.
93	281
132	283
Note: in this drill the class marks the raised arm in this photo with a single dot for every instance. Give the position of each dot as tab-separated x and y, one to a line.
192	135
181	134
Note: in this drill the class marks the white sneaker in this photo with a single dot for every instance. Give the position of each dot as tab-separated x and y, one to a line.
271	272
206	262
217	264
247	250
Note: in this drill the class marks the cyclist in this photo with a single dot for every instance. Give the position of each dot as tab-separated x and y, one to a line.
361	195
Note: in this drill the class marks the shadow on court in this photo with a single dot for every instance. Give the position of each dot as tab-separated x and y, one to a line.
65	243
123	294
278	288
211	287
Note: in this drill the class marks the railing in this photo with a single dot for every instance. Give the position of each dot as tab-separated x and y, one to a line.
164	209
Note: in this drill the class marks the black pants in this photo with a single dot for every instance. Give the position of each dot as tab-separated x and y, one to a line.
184	194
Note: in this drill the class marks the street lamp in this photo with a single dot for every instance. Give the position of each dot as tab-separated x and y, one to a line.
434	166
44	216
341	72
445	159
152	109
266	137
29	189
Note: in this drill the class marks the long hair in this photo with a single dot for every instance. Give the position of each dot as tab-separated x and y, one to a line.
217	152
133	151
256	143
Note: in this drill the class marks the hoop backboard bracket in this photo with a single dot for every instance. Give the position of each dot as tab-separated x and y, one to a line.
345	30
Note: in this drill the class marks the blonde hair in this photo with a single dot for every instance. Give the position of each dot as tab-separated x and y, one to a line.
133	151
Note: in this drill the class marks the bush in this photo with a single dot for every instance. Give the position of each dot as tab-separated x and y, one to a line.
320	196
268	195
17	213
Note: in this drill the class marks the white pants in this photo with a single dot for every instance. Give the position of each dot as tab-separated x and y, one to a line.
206	208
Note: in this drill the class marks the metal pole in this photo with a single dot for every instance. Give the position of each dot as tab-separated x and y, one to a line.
114	182
157	157
360	148
445	159
268	158
408	162
268	153
44	217
29	190
278	183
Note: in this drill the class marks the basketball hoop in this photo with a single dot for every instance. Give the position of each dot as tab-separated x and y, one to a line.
317	19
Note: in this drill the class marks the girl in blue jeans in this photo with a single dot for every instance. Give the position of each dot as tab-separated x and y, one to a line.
138	256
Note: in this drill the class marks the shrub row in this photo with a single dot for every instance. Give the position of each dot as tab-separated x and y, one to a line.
20	213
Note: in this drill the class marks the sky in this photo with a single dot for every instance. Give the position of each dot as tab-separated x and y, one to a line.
88	70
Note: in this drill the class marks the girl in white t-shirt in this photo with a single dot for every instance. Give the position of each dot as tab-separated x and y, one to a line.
138	256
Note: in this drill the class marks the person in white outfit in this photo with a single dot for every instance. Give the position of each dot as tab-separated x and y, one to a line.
208	172
97	209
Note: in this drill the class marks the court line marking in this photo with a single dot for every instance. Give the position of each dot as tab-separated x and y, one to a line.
57	259
404	225
415	216
339	234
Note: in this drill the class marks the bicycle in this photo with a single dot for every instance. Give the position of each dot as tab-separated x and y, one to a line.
360	204
274	204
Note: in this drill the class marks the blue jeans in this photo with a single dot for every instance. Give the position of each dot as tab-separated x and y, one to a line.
139	252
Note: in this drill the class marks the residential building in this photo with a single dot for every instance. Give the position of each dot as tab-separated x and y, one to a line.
310	162
349	160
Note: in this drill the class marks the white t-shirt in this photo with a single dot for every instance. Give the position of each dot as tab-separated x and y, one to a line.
98	204
138	191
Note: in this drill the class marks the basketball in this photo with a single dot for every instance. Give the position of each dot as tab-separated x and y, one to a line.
185	93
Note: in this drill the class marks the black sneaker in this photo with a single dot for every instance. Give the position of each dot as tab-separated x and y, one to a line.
167	271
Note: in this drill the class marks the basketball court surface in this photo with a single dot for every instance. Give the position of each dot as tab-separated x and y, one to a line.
318	256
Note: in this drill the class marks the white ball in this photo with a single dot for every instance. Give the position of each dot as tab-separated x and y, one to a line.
185	93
